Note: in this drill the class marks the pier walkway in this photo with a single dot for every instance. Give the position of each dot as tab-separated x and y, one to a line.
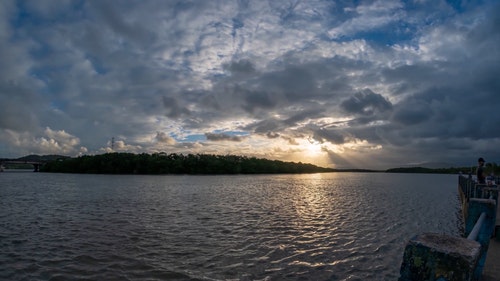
491	270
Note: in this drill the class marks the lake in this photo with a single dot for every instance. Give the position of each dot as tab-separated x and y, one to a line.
333	226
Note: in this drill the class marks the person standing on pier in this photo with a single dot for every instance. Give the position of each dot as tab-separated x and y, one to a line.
480	171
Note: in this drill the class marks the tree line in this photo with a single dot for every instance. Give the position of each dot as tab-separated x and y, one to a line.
162	163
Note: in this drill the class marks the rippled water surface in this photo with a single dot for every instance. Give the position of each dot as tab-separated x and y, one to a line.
338	226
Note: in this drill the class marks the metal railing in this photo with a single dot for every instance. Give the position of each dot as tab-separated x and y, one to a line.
471	189
479	206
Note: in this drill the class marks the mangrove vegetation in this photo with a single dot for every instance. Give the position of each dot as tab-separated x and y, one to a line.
162	163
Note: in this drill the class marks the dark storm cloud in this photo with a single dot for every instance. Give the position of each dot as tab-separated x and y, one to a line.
298	116
412	113
333	135
265	126
293	83
17	101
241	67
366	102
223	137
257	100
128	28
173	109
272	135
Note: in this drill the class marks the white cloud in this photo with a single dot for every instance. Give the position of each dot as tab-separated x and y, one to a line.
163	138
48	142
368	17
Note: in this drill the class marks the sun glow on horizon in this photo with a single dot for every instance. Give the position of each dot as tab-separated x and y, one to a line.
310	151
312	147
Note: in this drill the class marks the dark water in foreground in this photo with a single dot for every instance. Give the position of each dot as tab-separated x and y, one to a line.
342	226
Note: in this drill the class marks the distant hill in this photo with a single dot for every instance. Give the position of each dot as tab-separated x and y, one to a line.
42	158
423	170
430	165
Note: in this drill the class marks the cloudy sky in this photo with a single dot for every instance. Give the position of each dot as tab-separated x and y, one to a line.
363	84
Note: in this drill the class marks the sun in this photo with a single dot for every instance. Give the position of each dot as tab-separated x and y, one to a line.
313	149
305	150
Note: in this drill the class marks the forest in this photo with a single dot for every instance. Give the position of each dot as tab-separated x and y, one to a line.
162	163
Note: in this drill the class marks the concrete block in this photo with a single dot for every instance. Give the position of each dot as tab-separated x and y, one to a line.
432	257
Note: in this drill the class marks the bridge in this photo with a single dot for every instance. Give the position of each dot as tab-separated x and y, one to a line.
36	164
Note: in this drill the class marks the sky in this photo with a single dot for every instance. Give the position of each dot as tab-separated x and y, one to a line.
341	84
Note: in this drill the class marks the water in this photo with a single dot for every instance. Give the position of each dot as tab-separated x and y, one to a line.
337	226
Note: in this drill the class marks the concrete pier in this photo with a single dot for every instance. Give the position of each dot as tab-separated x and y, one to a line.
488	208
473	257
491	271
